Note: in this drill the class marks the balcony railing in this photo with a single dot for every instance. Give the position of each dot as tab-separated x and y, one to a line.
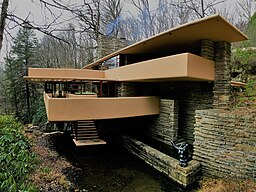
90	107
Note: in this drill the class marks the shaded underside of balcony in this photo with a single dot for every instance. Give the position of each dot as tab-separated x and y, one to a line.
94	108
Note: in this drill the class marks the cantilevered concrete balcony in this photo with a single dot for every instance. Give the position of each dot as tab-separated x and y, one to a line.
74	108
184	67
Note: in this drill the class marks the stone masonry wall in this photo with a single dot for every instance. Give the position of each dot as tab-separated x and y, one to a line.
165	126
108	44
220	52
138	89
222	87
128	90
225	143
191	96
207	49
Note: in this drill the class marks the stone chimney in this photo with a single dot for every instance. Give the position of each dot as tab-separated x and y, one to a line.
108	44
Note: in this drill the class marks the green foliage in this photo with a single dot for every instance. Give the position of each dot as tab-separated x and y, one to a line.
45	170
250	32
244	61
16	158
22	95
247	98
39	117
250	90
244	55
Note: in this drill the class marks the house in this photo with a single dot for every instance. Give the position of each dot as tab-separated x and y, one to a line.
152	87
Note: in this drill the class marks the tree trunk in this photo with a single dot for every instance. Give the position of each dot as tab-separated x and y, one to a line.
2	20
202	7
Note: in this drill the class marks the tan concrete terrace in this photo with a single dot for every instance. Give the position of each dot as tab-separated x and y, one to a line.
184	66
74	108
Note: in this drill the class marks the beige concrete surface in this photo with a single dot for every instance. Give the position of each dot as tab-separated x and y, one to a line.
91	108
184	66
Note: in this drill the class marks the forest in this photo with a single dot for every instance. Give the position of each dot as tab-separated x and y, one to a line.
68	36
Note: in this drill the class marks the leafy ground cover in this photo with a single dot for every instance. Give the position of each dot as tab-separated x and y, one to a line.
228	185
16	158
245	101
52	169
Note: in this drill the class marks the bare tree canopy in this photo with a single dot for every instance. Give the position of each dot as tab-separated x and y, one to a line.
93	18
202	8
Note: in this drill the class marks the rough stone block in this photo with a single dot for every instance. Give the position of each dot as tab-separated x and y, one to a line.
225	143
164	163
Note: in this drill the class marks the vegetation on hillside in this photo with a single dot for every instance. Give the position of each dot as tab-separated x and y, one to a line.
22	96
243	64
227	185
16	158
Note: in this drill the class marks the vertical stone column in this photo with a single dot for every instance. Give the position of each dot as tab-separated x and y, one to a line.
128	90
207	49
108	44
222	88
165	126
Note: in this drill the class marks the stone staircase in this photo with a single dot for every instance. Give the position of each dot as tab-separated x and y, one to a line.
86	133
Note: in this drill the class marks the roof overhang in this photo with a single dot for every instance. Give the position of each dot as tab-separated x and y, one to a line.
214	28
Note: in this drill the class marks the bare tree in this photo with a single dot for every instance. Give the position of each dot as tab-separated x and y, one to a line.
111	19
226	12
244	9
202	8
145	17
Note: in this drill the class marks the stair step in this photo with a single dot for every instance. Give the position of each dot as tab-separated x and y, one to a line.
86	127
89	142
79	127
87	134
86	130
86	138
84	134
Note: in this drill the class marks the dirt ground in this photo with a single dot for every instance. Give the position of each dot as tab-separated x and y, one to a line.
63	167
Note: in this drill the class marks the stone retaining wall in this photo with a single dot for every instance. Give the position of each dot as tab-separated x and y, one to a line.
162	162
225	143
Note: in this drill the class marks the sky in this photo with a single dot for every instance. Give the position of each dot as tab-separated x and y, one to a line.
23	7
